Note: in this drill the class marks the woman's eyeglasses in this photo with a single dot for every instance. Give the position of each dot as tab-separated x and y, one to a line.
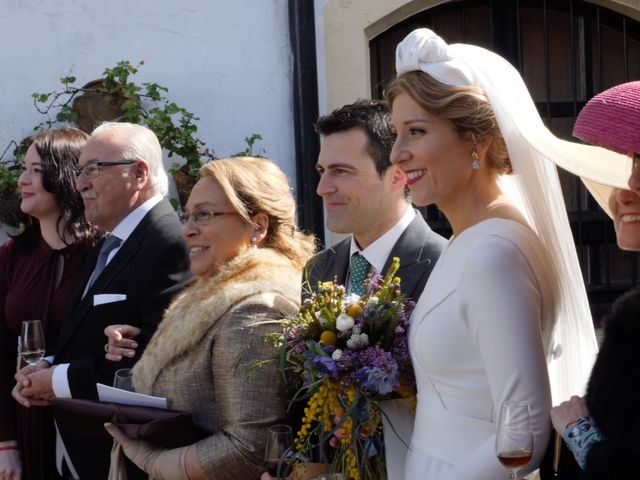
201	217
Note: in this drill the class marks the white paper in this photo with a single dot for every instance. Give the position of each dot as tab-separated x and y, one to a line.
115	395
102	298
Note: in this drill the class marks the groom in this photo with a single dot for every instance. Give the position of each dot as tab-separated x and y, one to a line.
366	196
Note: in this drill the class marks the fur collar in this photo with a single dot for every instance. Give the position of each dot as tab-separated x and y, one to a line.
192	314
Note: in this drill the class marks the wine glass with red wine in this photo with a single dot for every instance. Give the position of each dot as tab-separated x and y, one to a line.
514	440
276	452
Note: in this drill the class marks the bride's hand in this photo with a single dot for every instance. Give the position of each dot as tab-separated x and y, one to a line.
120	342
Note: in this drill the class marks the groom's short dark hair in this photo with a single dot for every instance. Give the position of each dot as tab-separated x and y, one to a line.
373	117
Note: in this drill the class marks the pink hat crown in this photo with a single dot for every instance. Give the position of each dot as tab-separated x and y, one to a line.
611	119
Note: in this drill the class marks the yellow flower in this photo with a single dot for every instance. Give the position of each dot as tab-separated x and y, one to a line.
328	337
354	310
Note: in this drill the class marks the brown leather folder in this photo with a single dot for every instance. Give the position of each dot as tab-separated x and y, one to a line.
164	428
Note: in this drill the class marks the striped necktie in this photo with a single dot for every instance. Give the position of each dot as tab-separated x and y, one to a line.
110	242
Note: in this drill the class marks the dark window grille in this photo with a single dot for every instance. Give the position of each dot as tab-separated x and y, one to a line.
567	51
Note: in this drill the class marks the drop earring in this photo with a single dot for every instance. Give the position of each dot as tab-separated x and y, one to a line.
254	242
476	161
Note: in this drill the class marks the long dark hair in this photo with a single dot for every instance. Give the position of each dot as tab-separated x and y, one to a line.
59	150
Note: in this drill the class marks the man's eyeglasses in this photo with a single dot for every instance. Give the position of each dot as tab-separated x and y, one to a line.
92	170
201	217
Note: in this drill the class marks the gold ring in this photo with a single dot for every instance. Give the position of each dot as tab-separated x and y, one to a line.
106	347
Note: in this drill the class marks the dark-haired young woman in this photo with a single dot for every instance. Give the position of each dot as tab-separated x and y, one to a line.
38	273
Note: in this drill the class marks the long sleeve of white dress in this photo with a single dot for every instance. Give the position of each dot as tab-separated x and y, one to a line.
475	345
501	305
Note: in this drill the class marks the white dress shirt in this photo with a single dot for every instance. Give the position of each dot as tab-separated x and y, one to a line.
379	250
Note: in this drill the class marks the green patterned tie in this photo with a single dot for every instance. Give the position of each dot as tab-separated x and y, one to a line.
358	273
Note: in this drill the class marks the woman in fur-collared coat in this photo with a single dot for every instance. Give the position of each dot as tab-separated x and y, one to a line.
247	254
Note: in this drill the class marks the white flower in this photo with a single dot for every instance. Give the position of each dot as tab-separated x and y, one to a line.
373	301
344	322
351	299
337	354
356	330
358	341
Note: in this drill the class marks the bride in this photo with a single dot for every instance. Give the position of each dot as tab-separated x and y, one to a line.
505	308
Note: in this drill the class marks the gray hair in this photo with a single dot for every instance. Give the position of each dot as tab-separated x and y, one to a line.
142	144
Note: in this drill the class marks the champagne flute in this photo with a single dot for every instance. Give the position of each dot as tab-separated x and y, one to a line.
514	439
123	379
278	445
31	343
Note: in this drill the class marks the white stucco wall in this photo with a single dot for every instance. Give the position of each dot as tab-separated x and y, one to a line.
229	62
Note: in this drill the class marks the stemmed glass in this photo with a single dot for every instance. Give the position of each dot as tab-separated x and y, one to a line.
31	343
278	445
514	440
123	379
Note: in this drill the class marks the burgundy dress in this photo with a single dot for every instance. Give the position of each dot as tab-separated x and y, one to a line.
35	283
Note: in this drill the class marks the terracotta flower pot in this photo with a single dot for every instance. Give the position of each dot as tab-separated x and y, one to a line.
184	183
94	108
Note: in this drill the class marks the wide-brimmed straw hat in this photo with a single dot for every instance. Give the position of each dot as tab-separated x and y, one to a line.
611	120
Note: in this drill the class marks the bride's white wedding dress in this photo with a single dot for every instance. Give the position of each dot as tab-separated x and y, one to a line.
475	342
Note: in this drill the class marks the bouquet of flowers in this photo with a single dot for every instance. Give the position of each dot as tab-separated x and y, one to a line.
341	354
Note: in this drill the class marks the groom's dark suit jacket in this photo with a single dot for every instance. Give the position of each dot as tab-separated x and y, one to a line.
418	249
150	268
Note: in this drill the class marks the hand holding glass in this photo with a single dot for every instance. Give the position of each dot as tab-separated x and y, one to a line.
514	439
278	443
31	344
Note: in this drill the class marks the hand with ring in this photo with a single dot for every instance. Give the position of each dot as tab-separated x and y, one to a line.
120	342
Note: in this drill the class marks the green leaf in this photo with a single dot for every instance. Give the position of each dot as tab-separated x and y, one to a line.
68	80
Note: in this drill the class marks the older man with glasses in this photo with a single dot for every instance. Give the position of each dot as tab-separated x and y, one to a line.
130	278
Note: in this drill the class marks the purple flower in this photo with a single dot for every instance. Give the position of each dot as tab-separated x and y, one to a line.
326	365
329	349
380	380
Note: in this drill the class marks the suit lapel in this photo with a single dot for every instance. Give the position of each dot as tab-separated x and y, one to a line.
340	264
416	257
330	264
82	305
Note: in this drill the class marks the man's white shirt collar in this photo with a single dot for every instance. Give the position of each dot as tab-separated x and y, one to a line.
379	250
129	223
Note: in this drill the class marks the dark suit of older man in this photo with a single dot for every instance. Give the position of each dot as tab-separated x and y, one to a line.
149	269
